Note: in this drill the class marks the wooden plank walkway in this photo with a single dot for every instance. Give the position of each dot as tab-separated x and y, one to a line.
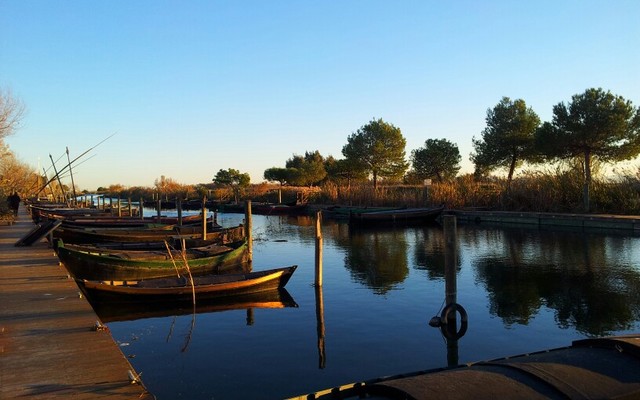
49	346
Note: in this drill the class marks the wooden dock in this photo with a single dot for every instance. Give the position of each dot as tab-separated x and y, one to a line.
51	343
601	222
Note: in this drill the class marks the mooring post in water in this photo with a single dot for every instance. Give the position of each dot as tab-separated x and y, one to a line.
140	207
179	209
318	248
451	290
204	217
158	207
322	354
129	210
247	229
119	207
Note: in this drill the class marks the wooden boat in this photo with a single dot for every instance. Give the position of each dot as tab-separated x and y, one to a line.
600	368
110	311
108	221
267	208
405	216
96	235
279	209
205	286
343	212
94	263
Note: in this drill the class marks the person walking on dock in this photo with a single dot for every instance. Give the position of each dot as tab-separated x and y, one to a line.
14	202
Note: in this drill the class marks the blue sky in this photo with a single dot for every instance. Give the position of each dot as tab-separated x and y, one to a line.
191	87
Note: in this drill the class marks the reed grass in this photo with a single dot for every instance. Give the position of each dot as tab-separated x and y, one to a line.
554	191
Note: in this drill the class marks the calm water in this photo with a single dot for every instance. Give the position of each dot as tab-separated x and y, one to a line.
523	289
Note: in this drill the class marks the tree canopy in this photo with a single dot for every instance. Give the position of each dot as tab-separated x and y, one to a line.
508	139
276	174
11	113
439	159
231	177
594	125
343	170
377	148
306	170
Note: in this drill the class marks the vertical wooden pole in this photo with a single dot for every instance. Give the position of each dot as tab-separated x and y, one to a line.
204	217
318	248
179	208
119	207
451	291
279	196
129	209
140	207
248	228
158	207
322	354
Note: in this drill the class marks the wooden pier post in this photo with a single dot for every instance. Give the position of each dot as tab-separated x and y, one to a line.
179	208
140	207
129	207
119	207
451	286
322	353
158	208
248	228
204	217
318	281
451	291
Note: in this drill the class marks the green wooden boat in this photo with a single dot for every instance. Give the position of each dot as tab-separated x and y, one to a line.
94	263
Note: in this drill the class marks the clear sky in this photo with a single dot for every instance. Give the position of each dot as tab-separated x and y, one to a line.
192	87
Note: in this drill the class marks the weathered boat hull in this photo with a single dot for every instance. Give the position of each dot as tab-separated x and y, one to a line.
204	287
105	265
604	368
408	216
116	235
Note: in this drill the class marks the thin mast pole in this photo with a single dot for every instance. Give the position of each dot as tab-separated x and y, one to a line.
58	176
73	185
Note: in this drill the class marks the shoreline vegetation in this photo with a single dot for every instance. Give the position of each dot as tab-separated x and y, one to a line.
535	192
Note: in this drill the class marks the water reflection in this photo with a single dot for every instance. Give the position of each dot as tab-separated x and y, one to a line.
377	258
578	275
134	310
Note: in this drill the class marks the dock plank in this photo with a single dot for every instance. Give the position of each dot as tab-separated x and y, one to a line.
48	343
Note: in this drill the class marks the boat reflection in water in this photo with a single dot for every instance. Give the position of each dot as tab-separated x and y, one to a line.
134	310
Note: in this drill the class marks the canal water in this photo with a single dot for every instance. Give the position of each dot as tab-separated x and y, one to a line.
523	289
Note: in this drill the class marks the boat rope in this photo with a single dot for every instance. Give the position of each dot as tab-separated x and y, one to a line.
171	256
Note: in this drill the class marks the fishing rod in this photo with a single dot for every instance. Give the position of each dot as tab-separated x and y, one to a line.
74	160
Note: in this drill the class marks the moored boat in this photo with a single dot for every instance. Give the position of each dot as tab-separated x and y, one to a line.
181	288
598	368
94	263
139	235
405	216
343	212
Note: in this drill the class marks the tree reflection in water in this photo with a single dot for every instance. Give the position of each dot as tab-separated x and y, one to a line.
575	274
